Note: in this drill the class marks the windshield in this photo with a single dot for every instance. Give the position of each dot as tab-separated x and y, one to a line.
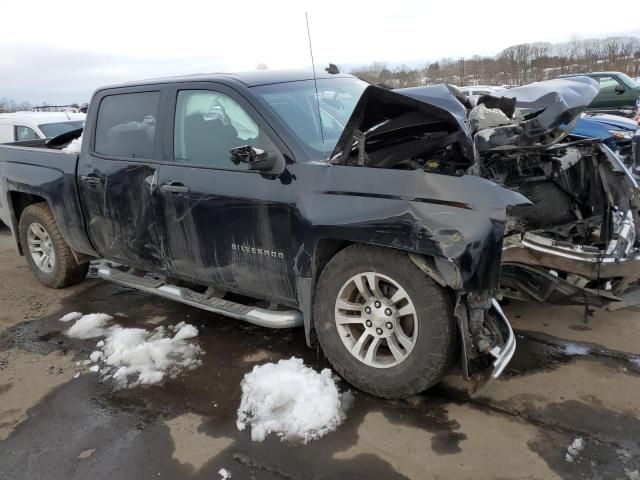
51	130
629	81
295	103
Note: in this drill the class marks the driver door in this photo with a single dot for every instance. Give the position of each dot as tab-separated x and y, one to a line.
226	226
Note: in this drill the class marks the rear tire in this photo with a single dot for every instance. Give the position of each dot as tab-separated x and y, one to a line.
408	323
47	254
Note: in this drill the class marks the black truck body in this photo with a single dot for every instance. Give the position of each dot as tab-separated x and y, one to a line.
171	213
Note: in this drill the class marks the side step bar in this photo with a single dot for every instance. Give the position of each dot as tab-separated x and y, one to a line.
255	315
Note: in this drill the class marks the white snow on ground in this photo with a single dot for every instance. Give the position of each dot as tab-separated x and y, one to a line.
71	316
74	146
290	400
632	474
574	450
573	349
135	356
224	474
90	326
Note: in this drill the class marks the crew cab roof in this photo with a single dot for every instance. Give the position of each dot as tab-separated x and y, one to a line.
249	79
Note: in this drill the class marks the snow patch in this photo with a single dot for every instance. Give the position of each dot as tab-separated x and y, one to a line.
70	317
290	400
573	349
135	356
90	326
187	331
632	474
224	474
574	450
74	146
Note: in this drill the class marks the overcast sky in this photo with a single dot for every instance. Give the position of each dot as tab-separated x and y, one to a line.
60	51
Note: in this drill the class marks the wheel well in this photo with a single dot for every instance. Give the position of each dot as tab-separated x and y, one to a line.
20	201
325	251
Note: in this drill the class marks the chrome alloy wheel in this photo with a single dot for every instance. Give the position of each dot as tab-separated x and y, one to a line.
376	320
41	248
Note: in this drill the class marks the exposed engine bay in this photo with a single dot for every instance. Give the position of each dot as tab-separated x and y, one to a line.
576	243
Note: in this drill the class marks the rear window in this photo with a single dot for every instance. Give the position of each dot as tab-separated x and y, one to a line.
126	125
51	130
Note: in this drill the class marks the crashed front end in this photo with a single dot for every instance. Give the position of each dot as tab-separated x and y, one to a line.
458	221
578	241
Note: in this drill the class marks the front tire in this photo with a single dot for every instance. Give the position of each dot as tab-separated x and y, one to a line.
384	326
48	255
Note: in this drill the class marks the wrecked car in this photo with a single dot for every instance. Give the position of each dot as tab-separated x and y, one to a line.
576	243
250	195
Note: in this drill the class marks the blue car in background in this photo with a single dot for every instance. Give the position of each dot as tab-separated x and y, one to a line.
616	132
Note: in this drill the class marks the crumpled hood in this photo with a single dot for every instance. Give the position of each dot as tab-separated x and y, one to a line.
388	128
384	119
549	109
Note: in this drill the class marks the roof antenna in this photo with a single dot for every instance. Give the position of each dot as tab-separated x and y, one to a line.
315	83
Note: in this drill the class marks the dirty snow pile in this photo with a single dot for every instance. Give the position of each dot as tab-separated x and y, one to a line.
224	474
74	146
574	450
290	400
135	356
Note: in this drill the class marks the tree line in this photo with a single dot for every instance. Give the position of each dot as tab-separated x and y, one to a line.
515	65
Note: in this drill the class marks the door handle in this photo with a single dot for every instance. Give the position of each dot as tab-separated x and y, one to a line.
174	187
91	179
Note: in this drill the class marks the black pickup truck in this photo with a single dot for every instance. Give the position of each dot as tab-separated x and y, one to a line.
359	213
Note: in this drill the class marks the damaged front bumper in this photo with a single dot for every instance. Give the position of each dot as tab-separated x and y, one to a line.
542	269
483	362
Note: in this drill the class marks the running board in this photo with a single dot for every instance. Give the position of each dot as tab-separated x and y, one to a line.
255	315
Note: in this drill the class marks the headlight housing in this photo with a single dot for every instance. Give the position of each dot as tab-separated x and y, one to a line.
621	134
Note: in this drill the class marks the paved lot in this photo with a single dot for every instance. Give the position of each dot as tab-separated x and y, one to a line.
570	379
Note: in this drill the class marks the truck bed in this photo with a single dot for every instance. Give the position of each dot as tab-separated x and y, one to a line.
49	174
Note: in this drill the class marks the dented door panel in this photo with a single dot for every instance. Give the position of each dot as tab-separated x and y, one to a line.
232	230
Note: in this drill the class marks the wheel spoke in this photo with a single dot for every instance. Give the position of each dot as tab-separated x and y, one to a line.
357	348
348	319
395	348
362	287
372	350
39	231
406	310
42	261
372	281
405	341
343	304
399	295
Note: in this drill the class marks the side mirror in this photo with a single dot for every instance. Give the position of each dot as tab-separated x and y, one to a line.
258	159
620	89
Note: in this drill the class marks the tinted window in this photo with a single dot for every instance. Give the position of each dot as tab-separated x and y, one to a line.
608	84
126	125
51	130
208	124
25	133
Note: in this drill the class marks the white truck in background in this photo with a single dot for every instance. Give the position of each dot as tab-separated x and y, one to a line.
24	126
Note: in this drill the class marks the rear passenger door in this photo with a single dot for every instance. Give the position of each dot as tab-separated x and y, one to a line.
118	177
225	226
